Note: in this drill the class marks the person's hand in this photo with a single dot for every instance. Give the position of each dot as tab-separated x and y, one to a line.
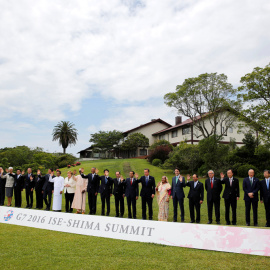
111	195
188	177
22	172
250	195
167	200
31	178
42	191
51	173
83	191
122	178
153	195
123	195
181	179
222	175
261	201
52	191
136	176
171	197
60	192
201	201
96	171
158	184
136	197
32	189
96	194
237	198
82	170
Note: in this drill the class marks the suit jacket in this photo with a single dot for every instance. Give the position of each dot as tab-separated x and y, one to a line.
93	184
28	184
131	190
230	190
39	182
197	193
177	188
149	188
213	193
248	188
2	182
47	185
19	182
264	193
119	188
105	189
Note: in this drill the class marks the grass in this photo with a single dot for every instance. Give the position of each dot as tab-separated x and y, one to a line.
28	248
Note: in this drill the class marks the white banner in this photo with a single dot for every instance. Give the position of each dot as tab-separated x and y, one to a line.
200	236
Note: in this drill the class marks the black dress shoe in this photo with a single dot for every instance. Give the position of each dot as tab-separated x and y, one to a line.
266	225
117	216
174	220
107	215
247	224
218	222
234	223
182	220
198	221
121	216
150	218
209	222
228	223
27	206
192	221
129	217
255	225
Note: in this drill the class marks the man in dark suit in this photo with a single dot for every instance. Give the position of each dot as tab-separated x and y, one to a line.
132	194
251	186
29	185
2	188
18	188
231	195
213	187
118	192
195	195
265	195
39	182
105	190
178	195
147	193
48	188
92	188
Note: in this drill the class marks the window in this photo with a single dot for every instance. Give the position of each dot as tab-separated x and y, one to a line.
143	152
230	130
223	131
162	137
186	130
174	133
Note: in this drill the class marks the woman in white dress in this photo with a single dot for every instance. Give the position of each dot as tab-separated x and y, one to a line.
80	193
57	192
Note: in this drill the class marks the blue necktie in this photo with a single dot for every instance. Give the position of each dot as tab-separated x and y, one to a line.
106	180
267	184
146	179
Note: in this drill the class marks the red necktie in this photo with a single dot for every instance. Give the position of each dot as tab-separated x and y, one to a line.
131	181
212	183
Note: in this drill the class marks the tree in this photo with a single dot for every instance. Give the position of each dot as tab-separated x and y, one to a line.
160	142
206	98
135	140
65	132
106	140
255	91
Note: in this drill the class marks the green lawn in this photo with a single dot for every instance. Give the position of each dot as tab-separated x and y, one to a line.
28	248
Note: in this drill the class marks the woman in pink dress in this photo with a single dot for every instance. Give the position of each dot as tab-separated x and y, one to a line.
80	193
163	191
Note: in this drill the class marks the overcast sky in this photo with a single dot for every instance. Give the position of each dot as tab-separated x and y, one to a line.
106	65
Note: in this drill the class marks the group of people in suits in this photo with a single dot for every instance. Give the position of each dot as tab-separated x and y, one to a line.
129	188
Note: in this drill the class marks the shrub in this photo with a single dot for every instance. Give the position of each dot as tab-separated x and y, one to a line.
160	152
156	162
243	170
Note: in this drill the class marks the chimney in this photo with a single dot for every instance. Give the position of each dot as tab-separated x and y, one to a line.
178	120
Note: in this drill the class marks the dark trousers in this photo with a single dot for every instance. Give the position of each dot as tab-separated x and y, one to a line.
119	200
230	202
177	201
254	204
47	193
107	199
69	199
39	199
267	212
29	194
2	194
92	202
149	202
193	204
210	204
18	196
131	201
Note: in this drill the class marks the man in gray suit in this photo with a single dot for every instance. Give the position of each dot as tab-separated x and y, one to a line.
177	194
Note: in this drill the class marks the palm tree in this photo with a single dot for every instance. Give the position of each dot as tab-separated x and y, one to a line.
65	132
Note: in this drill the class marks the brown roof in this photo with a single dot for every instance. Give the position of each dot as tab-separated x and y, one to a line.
149	123
186	122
